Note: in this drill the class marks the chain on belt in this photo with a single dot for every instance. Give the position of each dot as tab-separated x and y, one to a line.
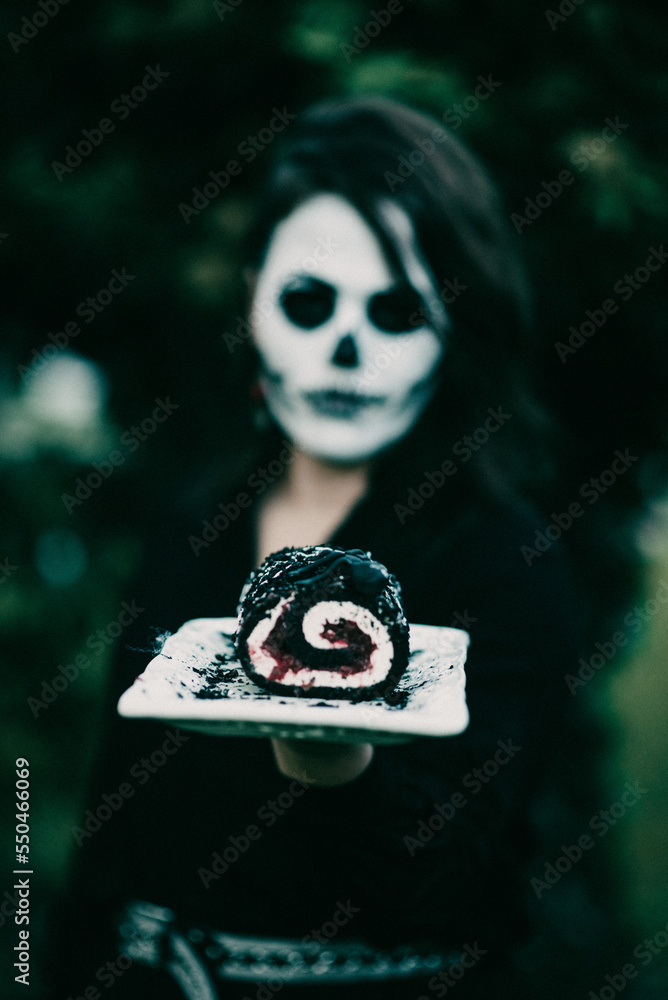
196	957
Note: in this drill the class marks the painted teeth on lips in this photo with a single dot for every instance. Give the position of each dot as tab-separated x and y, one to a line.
333	402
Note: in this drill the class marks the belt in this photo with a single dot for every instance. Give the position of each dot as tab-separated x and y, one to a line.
196	957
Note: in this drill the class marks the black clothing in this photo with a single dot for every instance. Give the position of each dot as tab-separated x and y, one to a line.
368	843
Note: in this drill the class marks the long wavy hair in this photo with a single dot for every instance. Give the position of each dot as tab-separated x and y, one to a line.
369	150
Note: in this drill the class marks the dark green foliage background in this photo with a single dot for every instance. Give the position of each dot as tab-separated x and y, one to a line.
228	70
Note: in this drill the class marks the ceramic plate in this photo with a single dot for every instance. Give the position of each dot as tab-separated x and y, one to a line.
196	682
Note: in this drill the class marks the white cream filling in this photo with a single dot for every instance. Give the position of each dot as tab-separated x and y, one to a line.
314	622
263	662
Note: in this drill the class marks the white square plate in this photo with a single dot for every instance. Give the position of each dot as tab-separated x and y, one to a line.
197	683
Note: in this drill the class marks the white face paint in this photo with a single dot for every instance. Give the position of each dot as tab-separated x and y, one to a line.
348	360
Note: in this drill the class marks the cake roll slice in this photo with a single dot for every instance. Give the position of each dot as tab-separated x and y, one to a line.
322	622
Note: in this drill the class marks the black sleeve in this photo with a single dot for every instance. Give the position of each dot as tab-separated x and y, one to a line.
169	587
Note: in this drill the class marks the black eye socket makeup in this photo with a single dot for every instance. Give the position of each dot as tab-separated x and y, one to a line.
393	310
308	303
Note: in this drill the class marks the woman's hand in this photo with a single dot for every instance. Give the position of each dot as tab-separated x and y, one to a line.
320	763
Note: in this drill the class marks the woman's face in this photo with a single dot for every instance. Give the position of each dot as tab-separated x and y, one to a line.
348	360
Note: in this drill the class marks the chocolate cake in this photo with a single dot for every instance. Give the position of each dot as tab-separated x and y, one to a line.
322	622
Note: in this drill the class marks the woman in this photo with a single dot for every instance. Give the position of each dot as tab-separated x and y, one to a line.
389	347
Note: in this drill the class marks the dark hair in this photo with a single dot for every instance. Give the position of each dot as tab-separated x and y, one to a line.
369	149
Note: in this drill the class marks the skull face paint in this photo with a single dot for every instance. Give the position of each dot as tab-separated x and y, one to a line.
347	368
